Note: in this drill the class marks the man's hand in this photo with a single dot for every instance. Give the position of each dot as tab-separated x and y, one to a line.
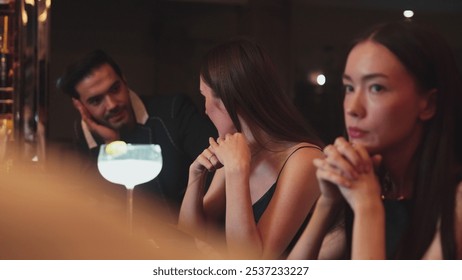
106	133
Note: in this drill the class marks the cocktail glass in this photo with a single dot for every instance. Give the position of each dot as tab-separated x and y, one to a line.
129	165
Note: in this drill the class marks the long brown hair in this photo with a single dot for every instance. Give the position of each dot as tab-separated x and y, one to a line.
426	55
243	76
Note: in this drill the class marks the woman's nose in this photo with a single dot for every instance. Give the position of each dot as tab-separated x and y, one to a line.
353	105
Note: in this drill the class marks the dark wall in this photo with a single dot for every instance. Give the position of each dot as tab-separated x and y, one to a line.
159	45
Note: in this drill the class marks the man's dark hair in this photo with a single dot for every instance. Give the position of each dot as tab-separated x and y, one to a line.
78	70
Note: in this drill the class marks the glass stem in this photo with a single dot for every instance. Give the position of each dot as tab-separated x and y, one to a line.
130	209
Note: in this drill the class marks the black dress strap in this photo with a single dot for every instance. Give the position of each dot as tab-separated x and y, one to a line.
301	147
261	204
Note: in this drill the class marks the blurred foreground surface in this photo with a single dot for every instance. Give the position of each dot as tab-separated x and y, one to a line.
57	213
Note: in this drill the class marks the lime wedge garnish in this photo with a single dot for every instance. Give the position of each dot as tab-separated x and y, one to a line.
116	148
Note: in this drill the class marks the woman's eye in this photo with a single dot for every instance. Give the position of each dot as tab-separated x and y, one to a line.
377	88
348	88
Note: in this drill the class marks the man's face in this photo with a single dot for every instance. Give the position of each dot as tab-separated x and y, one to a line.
105	95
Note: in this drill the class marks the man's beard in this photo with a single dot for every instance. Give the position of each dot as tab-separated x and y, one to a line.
112	113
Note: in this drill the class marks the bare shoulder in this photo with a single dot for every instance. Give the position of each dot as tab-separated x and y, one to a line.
305	149
459	206
298	167
435	250
458	217
299	158
459	192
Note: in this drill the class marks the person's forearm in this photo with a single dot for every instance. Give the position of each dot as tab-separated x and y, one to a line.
242	235
369	232
309	243
192	218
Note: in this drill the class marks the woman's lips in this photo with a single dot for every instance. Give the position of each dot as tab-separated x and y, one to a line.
355	132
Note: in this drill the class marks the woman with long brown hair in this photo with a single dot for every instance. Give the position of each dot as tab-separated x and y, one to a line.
264	185
398	171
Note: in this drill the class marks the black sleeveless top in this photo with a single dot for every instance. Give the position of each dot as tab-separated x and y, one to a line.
397	221
261	204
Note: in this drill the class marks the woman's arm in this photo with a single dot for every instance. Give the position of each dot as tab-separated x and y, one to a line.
351	169
193	217
311	241
296	193
242	236
294	196
329	204
363	194
368	230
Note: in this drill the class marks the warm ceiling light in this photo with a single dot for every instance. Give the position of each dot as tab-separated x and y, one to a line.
316	78
321	79
408	13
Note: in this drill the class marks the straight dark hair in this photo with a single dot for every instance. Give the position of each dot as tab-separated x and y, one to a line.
429	59
242	75
80	69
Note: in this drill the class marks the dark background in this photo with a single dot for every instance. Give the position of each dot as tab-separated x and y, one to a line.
159	44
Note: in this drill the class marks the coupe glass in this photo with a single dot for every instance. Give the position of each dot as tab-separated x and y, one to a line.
129	165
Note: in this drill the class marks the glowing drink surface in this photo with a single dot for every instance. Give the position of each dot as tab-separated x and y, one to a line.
129	172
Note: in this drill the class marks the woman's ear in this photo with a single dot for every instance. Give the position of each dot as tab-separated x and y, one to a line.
428	105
